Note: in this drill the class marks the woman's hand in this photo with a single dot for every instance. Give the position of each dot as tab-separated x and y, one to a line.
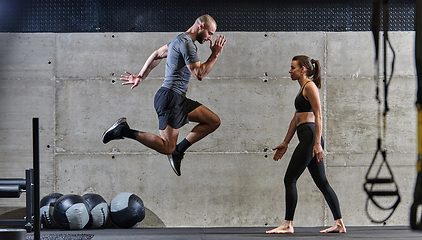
280	151
318	151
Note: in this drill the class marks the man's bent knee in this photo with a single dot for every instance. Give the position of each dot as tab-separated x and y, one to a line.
169	138
168	150
216	123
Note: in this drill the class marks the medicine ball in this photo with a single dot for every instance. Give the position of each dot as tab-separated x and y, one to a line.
98	208
71	212
127	210
46	210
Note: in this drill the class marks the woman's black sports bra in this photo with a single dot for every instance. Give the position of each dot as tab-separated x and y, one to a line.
301	104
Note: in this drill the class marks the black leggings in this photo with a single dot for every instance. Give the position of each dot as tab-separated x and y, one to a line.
302	158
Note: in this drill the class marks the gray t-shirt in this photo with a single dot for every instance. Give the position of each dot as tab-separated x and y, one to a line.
181	52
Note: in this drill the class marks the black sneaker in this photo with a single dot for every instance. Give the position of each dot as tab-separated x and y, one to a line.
114	132
176	161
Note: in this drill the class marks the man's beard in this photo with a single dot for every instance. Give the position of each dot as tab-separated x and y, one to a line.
200	38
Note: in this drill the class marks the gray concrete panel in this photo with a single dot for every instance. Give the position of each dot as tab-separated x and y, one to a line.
365	159
403	44
352	115
402	115
352	54
92	55
29	55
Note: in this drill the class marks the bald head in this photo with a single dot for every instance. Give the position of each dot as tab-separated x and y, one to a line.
207	20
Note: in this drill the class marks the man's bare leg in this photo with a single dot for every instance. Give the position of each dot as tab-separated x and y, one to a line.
286	227
208	123
165	144
337	228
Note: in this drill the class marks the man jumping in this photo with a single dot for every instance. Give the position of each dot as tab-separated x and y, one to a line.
173	108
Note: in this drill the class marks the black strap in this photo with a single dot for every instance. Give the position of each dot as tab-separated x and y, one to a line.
370	183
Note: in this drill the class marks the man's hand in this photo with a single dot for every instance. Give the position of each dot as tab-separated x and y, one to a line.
131	79
217	47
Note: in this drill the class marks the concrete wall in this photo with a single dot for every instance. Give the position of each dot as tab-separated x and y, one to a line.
71	82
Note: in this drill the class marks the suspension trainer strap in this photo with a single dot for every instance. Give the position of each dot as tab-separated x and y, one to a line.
370	183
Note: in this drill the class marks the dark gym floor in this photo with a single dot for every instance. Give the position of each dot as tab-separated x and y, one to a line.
244	233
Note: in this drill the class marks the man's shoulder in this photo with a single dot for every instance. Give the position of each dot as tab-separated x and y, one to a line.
183	38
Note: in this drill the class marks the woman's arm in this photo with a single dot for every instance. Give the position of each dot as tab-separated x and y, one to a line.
312	94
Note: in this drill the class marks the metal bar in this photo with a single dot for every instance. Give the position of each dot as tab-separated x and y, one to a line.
36	159
12	222
10	191
13	181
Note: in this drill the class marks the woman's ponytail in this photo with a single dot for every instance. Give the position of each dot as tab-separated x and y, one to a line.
316	76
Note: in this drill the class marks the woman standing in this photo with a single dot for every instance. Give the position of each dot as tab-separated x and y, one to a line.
307	122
